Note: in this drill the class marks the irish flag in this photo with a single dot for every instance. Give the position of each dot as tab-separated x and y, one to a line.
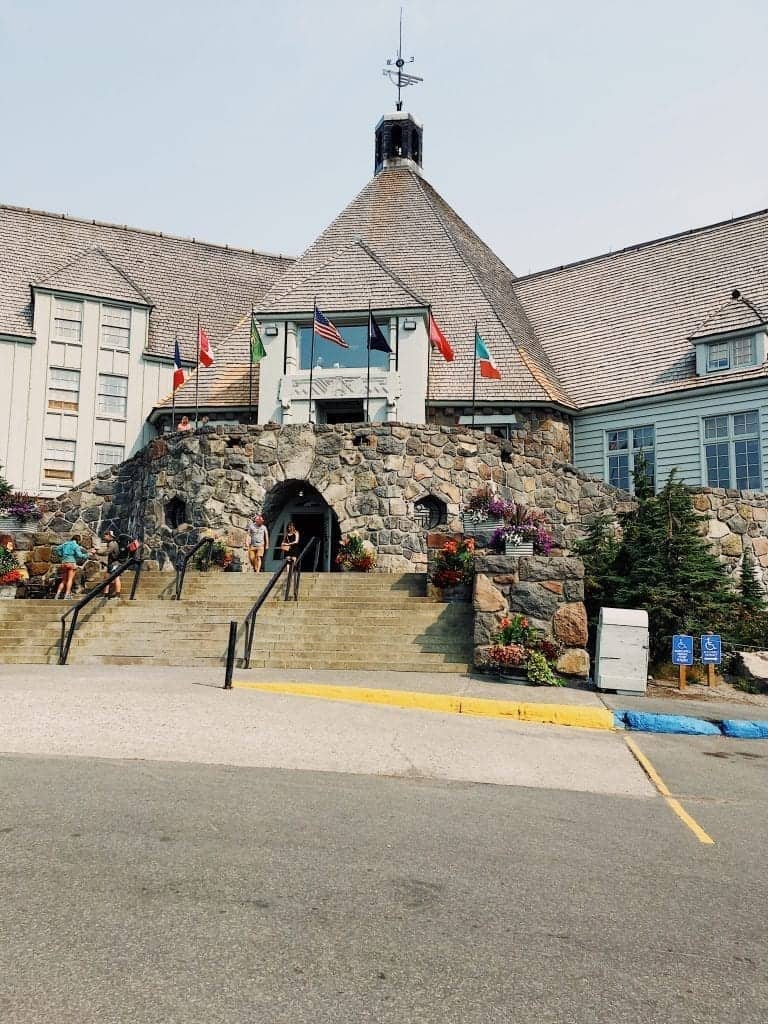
483	358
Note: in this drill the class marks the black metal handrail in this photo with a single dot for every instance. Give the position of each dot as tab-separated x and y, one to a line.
74	611
292	570
181	570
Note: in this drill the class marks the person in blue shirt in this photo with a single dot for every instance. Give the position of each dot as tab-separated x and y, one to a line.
70	554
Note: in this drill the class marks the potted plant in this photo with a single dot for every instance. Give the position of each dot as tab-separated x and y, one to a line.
355	555
16	508
453	569
524	532
521	654
10	571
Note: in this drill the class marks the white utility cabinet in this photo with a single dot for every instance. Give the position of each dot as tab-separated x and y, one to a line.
621	661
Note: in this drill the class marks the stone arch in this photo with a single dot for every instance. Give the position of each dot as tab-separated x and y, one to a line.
175	512
299	501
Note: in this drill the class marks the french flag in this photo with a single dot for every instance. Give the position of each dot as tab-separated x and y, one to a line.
178	374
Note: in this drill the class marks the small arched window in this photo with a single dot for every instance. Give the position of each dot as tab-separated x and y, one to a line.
430	511
175	513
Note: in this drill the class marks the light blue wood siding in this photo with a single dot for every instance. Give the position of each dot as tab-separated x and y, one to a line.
679	431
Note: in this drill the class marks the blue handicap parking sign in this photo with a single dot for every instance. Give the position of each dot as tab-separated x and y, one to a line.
682	650
711	649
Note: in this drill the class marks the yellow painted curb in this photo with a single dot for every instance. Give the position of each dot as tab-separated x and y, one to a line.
545	714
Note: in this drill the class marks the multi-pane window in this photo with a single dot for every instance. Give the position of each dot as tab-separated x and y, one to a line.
112	399
63	389
732	450
59	459
735	354
115	327
628	449
67	320
106	455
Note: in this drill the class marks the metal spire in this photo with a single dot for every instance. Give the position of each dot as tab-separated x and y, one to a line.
399	77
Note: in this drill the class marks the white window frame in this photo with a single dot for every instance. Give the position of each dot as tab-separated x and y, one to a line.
99	467
631	451
729	357
60	386
110	322
106	413
731	439
57	463
64	312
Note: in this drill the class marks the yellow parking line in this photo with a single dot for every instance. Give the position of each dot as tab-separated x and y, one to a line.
663	789
544	714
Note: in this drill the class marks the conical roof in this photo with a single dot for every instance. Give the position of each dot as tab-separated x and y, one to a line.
416	245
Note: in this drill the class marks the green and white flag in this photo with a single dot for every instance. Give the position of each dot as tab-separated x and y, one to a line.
257	345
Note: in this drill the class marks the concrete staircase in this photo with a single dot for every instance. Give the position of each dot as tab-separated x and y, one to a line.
342	620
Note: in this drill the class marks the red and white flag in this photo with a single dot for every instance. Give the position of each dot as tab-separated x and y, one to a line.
204	350
439	341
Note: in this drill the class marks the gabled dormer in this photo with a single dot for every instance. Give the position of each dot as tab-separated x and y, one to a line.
733	339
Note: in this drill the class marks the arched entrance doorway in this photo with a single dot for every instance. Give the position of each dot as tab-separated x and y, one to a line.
299	502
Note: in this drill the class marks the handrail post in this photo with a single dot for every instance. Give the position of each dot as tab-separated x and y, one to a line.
138	562
231	644
288	580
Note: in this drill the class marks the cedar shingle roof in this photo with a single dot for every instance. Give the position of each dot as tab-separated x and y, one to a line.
618	326
733	315
178	277
417	238
221	385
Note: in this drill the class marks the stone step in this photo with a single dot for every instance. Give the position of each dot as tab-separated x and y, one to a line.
217	664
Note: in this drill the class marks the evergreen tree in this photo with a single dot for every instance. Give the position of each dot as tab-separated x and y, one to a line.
598	551
5	488
666	567
751	595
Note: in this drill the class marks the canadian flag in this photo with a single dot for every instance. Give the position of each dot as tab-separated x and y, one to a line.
204	350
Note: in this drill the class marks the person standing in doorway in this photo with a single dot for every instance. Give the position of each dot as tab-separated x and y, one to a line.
258	541
290	543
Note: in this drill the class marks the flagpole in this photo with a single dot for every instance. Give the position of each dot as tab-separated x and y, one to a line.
250	372
474	373
368	379
312	358
197	373
429	355
173	394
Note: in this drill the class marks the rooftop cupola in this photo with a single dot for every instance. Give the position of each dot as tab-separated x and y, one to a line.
398	135
398	141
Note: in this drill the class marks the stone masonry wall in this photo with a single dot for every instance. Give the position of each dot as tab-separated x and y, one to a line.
371	475
548	590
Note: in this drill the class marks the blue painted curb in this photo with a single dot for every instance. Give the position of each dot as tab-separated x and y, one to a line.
742	730
644	721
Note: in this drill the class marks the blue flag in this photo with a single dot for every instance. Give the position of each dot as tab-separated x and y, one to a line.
376	340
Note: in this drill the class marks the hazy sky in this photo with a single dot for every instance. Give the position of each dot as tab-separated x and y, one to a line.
558	130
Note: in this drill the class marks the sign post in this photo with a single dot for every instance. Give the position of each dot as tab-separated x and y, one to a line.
682	656
711	655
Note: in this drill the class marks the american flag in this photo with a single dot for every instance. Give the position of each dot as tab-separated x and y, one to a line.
325	329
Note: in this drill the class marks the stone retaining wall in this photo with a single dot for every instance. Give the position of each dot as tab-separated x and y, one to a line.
548	590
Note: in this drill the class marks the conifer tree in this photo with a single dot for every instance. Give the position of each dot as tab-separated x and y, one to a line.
5	487
751	595
665	566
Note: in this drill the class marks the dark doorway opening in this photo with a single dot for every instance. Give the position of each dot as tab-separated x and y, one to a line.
341	411
298	502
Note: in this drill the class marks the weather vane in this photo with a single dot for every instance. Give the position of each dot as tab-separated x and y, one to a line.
396	74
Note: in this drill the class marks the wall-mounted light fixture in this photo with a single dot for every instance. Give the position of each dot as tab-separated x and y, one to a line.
271	331
409	325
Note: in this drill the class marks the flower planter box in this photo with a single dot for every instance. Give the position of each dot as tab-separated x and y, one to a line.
10	524
8	593
482	530
459	592
525	547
